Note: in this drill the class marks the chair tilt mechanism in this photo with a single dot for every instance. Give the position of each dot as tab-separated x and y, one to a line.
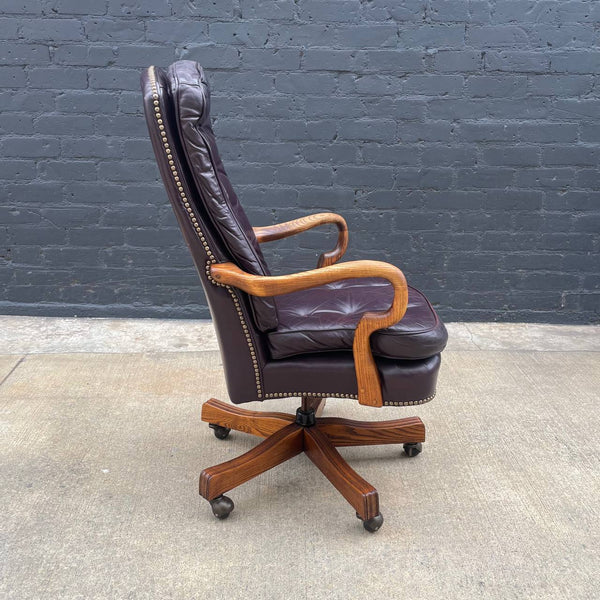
343	330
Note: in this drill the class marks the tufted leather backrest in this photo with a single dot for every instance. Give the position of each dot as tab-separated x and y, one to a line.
190	94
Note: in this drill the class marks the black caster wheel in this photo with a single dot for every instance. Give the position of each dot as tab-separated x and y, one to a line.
372	525
222	506
220	432
413	449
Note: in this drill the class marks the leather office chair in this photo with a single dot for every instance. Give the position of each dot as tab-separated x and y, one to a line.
346	330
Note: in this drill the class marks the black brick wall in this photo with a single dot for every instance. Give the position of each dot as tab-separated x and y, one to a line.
459	138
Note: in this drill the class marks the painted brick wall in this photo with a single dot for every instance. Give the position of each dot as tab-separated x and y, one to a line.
459	138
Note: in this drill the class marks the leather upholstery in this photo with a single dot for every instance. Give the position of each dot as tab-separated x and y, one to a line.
191	101
216	230
243	350
324	318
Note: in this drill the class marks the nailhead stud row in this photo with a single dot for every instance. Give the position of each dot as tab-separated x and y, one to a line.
412	403
355	397
315	394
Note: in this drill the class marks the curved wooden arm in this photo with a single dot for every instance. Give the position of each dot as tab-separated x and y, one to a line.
367	376
283	230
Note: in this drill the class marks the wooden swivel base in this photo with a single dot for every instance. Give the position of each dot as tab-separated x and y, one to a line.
288	435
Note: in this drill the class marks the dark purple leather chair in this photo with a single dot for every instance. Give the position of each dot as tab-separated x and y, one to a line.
294	335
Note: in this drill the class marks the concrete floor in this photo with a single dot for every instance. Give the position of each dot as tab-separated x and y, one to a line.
102	445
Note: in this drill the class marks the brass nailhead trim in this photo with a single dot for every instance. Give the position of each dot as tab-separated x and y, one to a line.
355	397
315	394
194	221
413	403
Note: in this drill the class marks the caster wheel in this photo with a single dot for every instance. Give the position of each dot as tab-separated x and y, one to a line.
222	506
372	525
413	449
220	432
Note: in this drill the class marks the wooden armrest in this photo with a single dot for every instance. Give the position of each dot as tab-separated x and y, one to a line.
283	230
367	376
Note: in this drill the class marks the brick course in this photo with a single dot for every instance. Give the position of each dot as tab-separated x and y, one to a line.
460	139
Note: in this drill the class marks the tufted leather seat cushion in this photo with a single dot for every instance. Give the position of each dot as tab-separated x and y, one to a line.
324	319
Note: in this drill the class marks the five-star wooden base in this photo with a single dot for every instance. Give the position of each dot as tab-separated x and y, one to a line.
285	438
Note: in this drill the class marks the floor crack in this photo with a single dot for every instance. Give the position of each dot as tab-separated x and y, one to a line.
12	370
471	338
